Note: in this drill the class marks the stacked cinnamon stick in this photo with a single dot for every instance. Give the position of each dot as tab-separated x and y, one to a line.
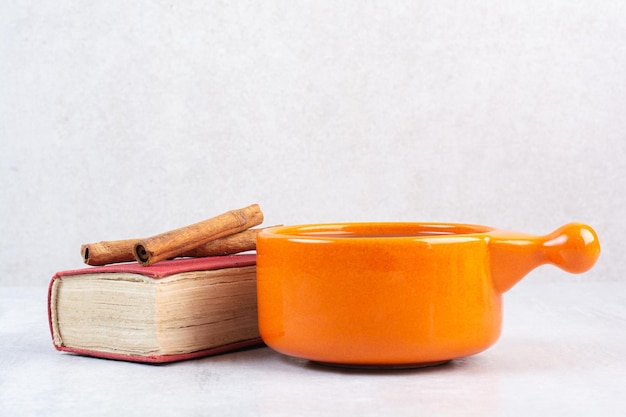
225	234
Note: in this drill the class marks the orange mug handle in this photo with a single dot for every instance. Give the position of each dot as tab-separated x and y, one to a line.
574	248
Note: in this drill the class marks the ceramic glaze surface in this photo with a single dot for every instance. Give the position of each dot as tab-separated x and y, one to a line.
397	294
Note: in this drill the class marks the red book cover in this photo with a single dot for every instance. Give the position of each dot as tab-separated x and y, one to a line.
158	271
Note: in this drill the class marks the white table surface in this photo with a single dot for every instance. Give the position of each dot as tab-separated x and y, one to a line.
562	352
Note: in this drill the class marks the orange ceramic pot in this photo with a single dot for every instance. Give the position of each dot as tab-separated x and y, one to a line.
398	294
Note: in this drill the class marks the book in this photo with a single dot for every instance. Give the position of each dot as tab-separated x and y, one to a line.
173	310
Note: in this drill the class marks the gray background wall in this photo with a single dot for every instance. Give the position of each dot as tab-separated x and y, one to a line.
125	119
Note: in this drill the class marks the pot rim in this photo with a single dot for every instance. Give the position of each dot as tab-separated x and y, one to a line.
377	230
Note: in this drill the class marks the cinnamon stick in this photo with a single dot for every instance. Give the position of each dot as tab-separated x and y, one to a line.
108	252
176	242
116	251
228	245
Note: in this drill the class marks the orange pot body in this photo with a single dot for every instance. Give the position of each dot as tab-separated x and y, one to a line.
380	294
